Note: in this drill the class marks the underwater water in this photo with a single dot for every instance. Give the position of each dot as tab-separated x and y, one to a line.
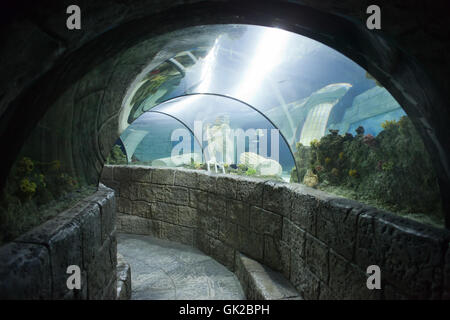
338	129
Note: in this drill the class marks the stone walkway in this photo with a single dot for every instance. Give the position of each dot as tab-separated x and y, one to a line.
164	270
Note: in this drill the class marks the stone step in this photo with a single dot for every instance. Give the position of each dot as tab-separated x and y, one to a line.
262	283
123	278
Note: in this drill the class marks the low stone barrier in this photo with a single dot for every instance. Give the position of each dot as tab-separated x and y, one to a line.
322	243
261	283
34	266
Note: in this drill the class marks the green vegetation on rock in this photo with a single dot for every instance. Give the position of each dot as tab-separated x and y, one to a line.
35	192
391	171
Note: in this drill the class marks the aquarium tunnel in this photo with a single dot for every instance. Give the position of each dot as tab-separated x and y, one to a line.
268	103
276	134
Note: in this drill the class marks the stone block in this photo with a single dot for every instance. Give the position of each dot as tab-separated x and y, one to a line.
141	174
250	191
316	257
347	281
198	199
226	186
66	249
25	272
163	176
209	224
90	232
285	258
186	178
217	205
187	216
272	253
410	254
177	233
304	211
165	212
222	253
107	173
304	281
228	233
100	272
336	225
265	222
238	212
124	205
121	173
202	241
142	209
138	225
207	182
251	243
276	198
294	237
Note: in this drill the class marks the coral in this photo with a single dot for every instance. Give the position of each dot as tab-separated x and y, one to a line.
360	130
392	170
311	179
370	140
334	132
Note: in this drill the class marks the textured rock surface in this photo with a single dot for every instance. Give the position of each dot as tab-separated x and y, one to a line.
123	278
322	244
262	283
34	265
166	270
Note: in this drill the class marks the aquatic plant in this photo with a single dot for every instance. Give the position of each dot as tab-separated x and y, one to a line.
314	143
25	166
352	173
27	188
388	124
360	130
370	140
387	166
116	156
392	171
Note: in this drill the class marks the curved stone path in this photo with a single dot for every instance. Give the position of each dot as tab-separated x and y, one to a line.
163	270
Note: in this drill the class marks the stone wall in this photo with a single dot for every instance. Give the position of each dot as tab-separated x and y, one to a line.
34	265
321	243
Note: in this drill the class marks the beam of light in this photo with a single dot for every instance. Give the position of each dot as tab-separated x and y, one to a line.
208	68
268	54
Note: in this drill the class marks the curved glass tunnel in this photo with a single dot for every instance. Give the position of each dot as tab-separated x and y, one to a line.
209	129
346	133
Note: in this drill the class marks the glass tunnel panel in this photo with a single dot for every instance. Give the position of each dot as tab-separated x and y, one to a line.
347	134
283	75
214	132
151	140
